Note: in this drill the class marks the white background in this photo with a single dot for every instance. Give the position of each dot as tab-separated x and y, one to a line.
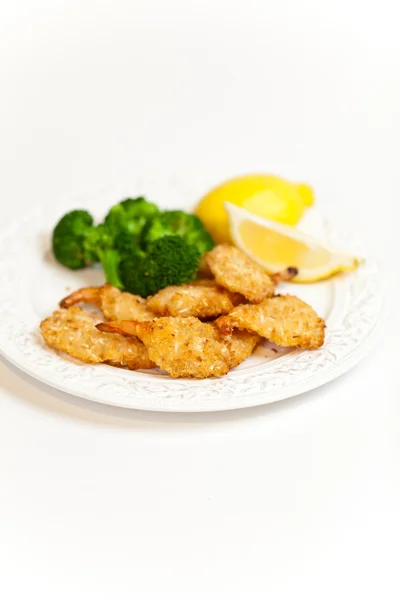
294	500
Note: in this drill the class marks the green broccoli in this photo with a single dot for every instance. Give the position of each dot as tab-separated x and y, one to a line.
126	242
168	261
69	238
130	215
99	247
140	249
177	222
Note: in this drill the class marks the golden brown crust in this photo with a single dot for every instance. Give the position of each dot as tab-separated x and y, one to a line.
73	331
203	299
240	345
182	346
234	271
166	330
186	347
284	320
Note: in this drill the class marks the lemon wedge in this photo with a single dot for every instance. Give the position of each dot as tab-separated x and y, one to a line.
276	246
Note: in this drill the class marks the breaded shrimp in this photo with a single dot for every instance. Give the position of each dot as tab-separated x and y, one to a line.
182	346
203	299
74	331
240	345
186	347
234	271
114	304
284	320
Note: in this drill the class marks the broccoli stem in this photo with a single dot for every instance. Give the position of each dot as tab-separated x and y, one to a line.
110	260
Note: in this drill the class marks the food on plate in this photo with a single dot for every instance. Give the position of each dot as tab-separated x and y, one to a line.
283	320
73	331
182	346
69	236
167	261
186	347
264	195
140	248
118	236
130	215
77	242
274	245
113	303
176	301
240	345
176	222
165	250
165	329
233	270
203	299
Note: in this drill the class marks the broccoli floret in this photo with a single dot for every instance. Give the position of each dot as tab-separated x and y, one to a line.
168	261
177	222
170	249
99	246
69	238
98	238
126	242
130	215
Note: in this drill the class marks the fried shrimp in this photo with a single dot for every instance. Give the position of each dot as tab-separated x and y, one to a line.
284	320
237	273
73	331
203	299
240	345
186	347
182	346
199	329
234	271
114	304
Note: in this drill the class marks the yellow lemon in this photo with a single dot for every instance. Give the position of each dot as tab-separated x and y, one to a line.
263	195
276	246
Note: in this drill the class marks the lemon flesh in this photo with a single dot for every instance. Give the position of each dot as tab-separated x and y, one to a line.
276	246
267	196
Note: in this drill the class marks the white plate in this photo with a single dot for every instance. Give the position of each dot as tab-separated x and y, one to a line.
32	283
